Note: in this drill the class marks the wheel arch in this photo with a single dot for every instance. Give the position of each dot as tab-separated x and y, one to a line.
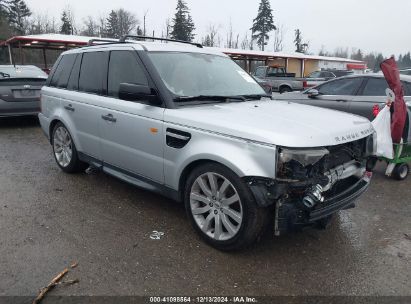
69	127
194	164
283	86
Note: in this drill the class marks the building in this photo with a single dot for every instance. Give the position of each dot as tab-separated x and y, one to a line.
300	64
22	49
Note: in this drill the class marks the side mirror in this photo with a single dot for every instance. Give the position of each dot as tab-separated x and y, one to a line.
313	93
137	92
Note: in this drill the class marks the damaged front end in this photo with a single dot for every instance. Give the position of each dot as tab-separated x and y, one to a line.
313	184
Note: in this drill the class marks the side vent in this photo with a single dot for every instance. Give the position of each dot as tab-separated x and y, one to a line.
177	139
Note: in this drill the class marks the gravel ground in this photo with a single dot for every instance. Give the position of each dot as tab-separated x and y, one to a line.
49	219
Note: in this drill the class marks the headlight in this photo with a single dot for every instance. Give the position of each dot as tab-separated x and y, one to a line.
304	157
293	164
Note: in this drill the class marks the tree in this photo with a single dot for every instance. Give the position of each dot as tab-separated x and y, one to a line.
120	23
66	25
183	25
112	25
263	24
91	28
127	22
211	37
278	39
341	52
323	51
17	14
139	31
357	55
298	41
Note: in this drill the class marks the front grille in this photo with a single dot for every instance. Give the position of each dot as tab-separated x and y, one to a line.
344	153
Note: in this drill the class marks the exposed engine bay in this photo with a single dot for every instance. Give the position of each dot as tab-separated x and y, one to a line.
317	181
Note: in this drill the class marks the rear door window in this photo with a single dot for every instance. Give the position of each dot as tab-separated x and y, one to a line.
93	73
348	86
73	80
124	68
260	72
62	73
375	87
407	88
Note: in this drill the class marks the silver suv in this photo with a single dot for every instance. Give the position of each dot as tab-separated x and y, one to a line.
187	122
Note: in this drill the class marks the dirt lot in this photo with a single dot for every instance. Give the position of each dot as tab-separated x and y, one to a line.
49	219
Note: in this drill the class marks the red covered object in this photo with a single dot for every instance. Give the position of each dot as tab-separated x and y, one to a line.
399	116
375	110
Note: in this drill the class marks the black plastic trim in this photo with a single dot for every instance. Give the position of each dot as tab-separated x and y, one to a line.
177	139
154	186
340	201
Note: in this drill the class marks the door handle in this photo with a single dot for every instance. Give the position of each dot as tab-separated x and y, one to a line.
109	117
342	100
69	108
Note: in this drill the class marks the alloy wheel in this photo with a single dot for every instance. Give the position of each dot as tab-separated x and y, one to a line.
62	145
216	206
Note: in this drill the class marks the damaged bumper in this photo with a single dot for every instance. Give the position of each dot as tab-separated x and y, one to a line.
291	213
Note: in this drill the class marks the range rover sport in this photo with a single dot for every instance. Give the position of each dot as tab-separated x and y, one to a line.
187	122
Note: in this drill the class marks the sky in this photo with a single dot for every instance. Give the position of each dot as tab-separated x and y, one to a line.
371	25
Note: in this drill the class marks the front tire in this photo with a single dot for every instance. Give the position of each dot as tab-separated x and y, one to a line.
64	150
222	209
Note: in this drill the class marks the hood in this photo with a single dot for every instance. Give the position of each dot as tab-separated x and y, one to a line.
274	122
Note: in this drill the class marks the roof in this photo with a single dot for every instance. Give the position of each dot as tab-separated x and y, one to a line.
257	53
377	75
50	38
57	41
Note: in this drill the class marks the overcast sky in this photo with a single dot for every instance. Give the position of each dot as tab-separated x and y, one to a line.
372	25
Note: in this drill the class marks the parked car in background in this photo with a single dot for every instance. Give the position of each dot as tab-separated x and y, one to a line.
355	94
279	80
189	123
319	77
20	87
405	72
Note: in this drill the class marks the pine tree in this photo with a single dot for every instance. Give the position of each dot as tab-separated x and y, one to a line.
298	41
263	24
17	14
112	25
66	26
183	25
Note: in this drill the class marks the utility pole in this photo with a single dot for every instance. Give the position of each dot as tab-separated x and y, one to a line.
144	26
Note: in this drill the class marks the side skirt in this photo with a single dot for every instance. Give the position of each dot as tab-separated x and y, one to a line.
132	178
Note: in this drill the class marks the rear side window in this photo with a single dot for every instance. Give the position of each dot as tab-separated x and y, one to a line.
93	72
347	86
75	72
62	73
375	87
124	68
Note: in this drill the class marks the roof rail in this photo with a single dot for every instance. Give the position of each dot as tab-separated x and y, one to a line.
124	38
92	41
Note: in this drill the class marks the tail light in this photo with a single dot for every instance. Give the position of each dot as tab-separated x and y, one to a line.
305	84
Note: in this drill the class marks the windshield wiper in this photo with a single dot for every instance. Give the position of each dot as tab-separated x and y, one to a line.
209	97
256	96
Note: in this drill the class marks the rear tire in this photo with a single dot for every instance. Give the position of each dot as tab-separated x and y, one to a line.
222	209
64	150
285	90
401	171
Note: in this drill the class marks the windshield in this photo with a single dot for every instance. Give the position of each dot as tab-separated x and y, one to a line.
192	74
315	75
